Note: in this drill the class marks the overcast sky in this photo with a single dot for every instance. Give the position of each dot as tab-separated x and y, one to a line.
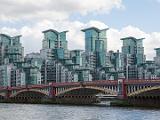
137	18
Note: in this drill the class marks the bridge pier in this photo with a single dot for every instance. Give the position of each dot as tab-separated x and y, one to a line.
8	93
122	94
52	91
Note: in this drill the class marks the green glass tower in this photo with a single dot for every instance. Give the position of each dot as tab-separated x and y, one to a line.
54	44
133	56
11	50
96	43
54	39
157	57
134	47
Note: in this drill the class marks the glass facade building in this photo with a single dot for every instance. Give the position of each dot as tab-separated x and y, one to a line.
134	48
54	39
55	63
96	43
54	44
11	50
133	55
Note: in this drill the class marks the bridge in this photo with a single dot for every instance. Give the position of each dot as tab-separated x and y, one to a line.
121	89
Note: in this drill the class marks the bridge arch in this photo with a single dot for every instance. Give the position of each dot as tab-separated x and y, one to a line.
144	90
95	90
2	97
34	92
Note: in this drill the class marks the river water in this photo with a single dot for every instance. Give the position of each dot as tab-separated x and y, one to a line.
61	112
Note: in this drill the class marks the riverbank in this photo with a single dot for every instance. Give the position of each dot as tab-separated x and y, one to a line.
128	103
88	102
71	101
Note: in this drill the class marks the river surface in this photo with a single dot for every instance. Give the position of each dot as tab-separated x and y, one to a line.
61	112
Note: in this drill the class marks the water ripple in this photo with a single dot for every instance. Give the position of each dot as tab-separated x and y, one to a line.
60	112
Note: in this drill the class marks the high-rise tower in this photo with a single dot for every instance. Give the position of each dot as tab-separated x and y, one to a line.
54	44
11	50
157	58
96	44
133	54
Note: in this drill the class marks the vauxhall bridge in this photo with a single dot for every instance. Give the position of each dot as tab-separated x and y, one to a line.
120	89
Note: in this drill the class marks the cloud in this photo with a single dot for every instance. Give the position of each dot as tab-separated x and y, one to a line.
151	41
32	36
53	9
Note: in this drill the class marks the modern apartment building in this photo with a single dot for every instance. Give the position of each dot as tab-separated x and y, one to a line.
133	55
56	63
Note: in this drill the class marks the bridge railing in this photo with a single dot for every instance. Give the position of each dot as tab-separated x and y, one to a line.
85	83
142	81
96	82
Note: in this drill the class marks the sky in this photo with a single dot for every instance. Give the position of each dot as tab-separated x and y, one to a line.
137	18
